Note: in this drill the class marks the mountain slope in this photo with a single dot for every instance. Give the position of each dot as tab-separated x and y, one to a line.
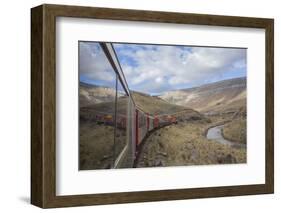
222	96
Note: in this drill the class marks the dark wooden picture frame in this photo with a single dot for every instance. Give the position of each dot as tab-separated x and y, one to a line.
43	105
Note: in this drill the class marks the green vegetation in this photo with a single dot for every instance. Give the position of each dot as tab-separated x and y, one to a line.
96	145
236	130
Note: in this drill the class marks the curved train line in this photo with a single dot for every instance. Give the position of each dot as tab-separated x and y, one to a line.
137	122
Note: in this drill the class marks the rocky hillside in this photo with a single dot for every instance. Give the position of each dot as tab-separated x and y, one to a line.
222	96
92	94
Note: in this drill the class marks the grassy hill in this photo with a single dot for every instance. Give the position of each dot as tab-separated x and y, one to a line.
155	105
101	100
104	98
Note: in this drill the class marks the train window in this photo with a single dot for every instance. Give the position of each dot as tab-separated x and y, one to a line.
97	99
121	135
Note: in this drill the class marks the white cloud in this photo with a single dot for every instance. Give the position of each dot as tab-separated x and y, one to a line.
156	68
159	80
169	67
93	64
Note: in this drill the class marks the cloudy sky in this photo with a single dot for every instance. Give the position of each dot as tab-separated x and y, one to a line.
155	69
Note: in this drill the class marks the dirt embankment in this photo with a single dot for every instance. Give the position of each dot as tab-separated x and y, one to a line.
185	144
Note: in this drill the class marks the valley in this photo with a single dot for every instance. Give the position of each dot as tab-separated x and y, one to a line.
184	142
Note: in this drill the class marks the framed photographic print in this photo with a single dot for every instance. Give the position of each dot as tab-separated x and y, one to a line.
135	106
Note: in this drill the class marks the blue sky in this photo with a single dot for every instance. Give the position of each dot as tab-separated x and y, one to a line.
155	69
